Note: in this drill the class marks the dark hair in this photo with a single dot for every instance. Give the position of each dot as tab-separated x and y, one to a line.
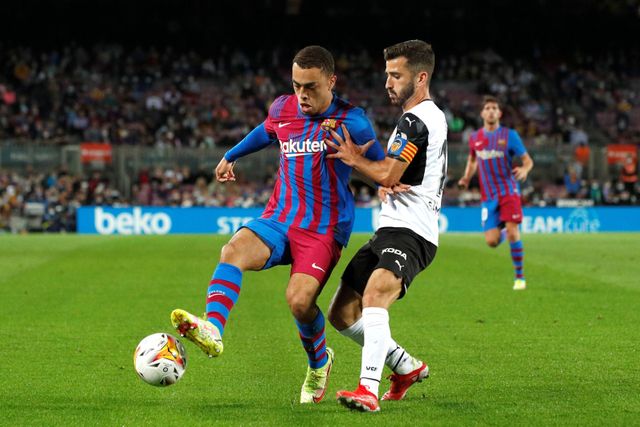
420	56
316	57
490	98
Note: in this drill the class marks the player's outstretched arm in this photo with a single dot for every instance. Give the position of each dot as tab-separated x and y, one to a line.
521	172
469	171
257	139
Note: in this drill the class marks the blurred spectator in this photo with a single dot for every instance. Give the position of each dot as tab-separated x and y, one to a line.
143	176
363	197
595	193
572	183
607	193
623	119
579	136
582	155
629	174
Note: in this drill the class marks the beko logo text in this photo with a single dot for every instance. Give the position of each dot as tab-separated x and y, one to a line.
136	223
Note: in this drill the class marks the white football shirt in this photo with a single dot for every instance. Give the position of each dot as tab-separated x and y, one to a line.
420	139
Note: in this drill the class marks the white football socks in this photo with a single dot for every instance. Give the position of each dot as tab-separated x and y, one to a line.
398	360
355	332
377	336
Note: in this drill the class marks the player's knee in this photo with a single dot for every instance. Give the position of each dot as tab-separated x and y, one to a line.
230	253
494	243
492	239
513	235
300	306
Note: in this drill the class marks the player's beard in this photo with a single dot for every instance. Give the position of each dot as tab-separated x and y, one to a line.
406	93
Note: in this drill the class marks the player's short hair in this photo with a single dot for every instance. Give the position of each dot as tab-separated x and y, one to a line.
420	56
490	98
316	57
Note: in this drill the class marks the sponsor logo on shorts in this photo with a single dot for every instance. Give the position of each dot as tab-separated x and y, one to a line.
394	251
399	265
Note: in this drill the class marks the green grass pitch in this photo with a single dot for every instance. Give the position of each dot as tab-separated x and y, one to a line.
564	352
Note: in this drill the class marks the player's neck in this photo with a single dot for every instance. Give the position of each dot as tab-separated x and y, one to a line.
325	107
418	96
491	127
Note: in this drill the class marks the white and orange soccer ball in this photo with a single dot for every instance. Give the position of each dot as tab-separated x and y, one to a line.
160	359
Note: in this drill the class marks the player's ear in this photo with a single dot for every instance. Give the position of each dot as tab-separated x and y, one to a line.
332	81
423	77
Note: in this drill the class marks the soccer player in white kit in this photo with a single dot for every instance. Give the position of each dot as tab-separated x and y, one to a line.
412	178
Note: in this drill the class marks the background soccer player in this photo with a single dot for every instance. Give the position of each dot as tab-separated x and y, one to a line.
492	149
307	221
407	238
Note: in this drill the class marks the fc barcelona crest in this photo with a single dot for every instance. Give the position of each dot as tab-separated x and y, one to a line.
328	124
502	142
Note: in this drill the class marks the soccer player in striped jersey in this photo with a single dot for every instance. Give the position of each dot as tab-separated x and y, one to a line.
491	150
307	221
407	239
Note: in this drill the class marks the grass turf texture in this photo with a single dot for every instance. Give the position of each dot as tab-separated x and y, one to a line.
563	352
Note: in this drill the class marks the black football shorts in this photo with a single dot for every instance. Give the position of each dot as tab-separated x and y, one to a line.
398	250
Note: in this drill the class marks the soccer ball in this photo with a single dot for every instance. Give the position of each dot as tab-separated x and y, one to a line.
160	359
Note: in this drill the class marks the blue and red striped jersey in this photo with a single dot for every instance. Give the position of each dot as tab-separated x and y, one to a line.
311	191
495	151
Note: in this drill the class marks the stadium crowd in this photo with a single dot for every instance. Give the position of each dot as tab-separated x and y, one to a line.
163	98
608	89
60	193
